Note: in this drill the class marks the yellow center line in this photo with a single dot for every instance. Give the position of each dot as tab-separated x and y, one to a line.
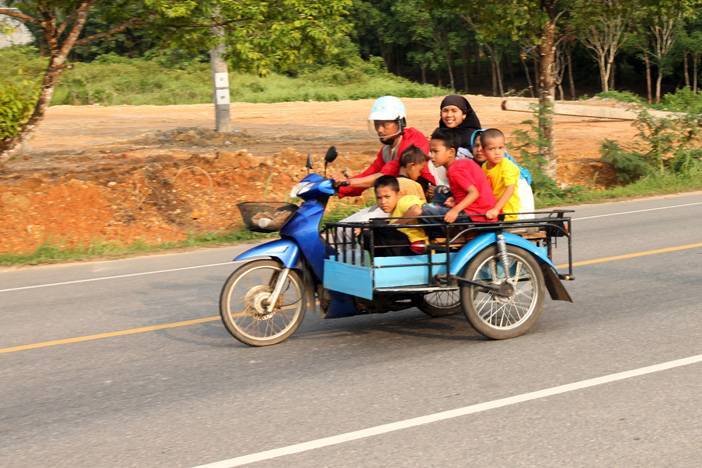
100	336
643	253
187	323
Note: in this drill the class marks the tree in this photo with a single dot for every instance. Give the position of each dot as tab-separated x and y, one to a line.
691	45
602	26
661	21
61	24
283	34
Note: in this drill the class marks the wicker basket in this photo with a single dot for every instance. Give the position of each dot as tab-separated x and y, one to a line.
266	216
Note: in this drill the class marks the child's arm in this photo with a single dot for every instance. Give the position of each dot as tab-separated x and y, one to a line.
506	195
454	212
410	216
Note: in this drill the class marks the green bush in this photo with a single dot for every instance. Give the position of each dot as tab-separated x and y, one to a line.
687	162
621	96
16	104
682	100
628	165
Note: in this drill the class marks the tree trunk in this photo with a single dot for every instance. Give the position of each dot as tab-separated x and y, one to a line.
536	74
604	78
449	65
686	69
649	94
478	61
695	63
571	81
527	74
659	79
493	75
612	74
423	70
466	68
498	72
510	69
547	56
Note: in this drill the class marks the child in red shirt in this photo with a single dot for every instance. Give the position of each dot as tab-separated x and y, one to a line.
470	187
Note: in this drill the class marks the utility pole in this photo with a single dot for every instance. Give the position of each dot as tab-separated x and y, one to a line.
220	80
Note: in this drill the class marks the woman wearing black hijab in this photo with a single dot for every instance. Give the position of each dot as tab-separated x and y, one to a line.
459	117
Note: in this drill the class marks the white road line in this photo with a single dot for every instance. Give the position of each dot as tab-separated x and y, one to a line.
637	211
451	414
103	278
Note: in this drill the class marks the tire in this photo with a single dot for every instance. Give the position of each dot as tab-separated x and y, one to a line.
253	325
499	317
441	304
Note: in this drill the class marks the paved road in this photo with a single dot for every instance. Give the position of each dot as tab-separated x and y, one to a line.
191	395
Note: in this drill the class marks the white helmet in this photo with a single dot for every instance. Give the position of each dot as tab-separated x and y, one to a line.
387	108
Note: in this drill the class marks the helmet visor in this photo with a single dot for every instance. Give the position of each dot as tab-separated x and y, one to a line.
384	129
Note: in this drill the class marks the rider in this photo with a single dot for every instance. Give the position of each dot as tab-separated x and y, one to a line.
389	119
459	118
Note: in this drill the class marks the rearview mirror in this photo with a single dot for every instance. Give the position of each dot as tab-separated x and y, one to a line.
331	155
308	164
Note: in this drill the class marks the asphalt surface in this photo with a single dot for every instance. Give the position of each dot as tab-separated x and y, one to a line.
192	395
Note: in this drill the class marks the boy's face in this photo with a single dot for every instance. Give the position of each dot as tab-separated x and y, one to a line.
414	170
386	198
478	154
440	154
494	150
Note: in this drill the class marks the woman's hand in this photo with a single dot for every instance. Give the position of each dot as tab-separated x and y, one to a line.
492	214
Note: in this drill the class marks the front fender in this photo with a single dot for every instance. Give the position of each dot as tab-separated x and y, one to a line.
285	250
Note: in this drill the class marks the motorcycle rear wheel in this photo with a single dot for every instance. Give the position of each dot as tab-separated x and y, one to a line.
243	304
499	317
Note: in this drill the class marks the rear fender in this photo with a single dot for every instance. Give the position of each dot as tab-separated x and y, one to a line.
555	288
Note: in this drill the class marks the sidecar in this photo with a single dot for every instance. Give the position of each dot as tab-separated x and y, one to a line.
495	273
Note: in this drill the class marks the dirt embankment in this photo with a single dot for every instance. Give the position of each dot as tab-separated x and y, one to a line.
126	173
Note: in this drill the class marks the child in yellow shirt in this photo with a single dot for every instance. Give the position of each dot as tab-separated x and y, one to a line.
400	241
502	173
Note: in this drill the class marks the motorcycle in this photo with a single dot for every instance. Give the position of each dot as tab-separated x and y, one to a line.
497	273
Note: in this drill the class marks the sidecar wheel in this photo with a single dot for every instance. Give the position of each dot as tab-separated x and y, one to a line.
441	303
498	316
243	306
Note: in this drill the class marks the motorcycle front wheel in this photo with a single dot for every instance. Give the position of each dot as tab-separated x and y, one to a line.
244	300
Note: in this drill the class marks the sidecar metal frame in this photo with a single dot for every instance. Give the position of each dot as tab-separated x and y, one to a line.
361	272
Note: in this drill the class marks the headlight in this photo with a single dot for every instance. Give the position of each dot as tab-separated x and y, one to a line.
300	188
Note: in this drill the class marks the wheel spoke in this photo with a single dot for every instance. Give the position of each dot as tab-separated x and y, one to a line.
488	298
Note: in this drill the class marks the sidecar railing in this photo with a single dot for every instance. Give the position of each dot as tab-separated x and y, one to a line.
354	243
